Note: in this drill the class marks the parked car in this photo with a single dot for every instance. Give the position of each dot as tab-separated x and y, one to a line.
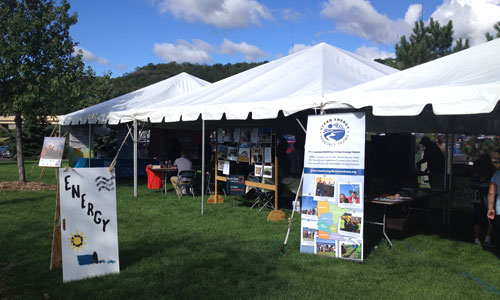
4	152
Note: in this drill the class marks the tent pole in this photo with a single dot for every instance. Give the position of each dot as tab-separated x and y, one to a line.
135	158
90	143
301	126
203	164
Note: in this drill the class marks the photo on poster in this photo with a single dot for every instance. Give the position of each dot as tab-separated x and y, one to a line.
236	135
267	171
308	234
268	158
226	168
220	165
326	247
228	135
309	206
324	187
232	153
220	135
258	170
256	155
350	195
265	135
309	230
351	224
351	249
245	135
244	154
254	135
222	152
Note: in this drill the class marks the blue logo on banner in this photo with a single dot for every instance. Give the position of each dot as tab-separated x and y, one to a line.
334	131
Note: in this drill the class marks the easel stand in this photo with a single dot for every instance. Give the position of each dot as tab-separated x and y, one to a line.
56	255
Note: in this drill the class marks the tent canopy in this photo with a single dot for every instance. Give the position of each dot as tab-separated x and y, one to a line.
290	84
463	83
109	111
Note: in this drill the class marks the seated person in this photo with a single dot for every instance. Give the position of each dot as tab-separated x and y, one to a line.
182	164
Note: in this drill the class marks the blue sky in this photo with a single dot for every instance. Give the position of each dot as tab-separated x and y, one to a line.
119	36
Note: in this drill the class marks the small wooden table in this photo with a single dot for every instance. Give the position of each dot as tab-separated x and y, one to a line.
165	171
420	194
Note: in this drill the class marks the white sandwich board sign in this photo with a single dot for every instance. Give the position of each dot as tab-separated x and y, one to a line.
89	233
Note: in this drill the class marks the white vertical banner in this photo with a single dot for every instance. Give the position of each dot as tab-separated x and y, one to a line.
333	186
89	233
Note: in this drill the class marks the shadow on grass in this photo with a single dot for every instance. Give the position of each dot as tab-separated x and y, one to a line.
23	200
181	268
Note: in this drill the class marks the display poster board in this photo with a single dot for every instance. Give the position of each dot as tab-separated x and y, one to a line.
79	146
235	184
89	233
52	152
332	199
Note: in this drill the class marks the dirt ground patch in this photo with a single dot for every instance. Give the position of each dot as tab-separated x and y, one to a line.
26	186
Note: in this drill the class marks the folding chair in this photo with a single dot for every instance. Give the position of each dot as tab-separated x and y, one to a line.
264	197
210	182
185	181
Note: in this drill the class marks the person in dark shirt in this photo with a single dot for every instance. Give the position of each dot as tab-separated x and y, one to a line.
482	172
435	162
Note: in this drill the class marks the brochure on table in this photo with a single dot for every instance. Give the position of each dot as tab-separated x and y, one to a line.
89	233
332	199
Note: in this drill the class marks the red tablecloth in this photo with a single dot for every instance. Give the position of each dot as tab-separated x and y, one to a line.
155	179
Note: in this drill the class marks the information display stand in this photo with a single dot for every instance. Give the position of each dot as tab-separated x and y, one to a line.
252	147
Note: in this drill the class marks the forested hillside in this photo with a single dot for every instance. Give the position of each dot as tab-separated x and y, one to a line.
149	74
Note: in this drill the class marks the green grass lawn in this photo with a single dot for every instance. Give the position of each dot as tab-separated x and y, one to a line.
168	250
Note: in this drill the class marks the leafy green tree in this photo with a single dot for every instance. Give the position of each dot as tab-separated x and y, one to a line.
489	37
37	65
426	43
151	73
34	131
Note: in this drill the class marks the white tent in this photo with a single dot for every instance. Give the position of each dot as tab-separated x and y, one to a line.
462	88
109	111
290	84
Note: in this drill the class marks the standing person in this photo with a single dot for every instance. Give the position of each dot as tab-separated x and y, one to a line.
482	171
182	164
440	142
494	209
435	162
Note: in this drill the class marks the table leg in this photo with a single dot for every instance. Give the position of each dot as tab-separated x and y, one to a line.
384	223
165	182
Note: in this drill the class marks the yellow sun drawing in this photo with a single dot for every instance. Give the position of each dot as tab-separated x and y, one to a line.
77	241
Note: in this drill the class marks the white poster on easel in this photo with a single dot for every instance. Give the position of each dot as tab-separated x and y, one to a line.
89	233
332	195
52	152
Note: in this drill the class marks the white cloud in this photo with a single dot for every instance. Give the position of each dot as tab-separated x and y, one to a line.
89	57
251	52
298	47
291	15
373	53
471	18
359	17
122	67
196	52
413	13
228	14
